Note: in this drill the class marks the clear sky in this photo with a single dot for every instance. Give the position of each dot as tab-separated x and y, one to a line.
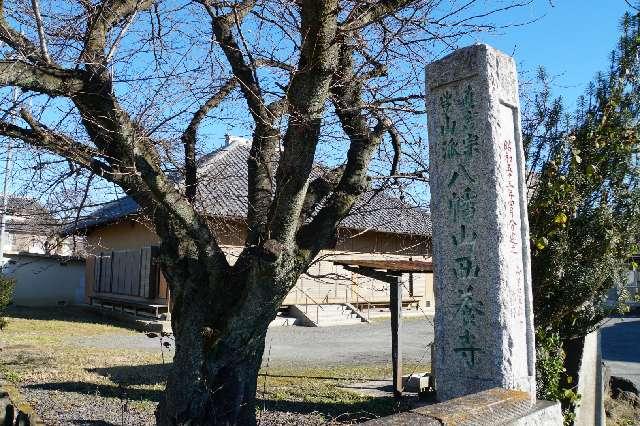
572	39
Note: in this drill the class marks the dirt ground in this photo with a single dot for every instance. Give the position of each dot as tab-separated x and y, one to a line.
76	368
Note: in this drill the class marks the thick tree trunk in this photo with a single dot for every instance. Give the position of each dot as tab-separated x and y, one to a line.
211	387
213	378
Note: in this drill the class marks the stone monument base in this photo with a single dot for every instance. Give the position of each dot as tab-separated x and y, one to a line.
491	407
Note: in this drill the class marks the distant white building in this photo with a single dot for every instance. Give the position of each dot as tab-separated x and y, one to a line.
629	292
31	228
37	257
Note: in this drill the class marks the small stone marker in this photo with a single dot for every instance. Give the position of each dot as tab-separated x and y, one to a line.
484	319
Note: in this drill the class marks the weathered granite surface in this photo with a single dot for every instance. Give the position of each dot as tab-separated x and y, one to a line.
490	407
484	322
546	413
493	406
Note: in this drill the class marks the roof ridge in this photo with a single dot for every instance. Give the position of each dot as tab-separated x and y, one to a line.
23	197
231	143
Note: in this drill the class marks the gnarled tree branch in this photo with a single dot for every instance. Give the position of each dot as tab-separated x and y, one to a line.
35	4
46	79
308	92
347	99
189	137
17	41
369	12
266	134
57	143
107	15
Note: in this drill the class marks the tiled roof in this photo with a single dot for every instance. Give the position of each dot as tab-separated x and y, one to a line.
222	192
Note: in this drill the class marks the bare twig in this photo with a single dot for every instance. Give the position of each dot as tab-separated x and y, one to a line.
123	31
43	41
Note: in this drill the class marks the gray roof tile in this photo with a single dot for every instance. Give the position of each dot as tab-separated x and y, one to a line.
222	192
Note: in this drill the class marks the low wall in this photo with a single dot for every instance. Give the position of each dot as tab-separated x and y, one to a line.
46	280
590	383
14	410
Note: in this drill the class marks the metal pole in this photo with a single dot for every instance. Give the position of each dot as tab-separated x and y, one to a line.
396	326
7	172
3	224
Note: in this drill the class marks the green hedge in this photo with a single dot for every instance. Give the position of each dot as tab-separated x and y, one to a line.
6	295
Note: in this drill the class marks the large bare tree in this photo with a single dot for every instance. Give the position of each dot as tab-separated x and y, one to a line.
122	88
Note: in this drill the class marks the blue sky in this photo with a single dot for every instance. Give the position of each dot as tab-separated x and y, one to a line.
572	39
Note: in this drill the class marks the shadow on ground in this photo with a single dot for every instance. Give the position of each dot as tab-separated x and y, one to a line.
108	391
341	412
64	313
127	375
620	341
304	376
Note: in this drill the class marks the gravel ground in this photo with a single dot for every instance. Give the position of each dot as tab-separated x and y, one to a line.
64	407
83	410
89	410
351	344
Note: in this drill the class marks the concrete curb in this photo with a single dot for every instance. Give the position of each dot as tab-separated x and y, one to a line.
590	383
13	404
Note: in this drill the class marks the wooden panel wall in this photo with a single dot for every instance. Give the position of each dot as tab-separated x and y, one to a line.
329	283
325	282
132	273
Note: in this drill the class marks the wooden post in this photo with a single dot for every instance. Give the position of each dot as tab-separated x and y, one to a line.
396	324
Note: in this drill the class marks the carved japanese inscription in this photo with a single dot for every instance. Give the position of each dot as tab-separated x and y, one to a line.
460	142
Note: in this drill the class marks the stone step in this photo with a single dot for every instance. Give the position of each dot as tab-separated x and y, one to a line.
336	323
339	316
283	321
328	312
326	315
333	313
381	313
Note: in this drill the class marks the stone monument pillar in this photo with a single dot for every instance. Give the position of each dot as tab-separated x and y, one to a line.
484	319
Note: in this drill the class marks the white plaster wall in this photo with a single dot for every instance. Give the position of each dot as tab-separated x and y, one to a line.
46	281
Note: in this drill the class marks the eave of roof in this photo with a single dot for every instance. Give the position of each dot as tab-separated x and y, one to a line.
388	265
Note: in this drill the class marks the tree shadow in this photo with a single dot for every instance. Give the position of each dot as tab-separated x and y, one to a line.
109	391
342	412
127	375
127	378
79	314
303	376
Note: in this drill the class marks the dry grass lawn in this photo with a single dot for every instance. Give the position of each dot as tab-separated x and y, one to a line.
67	381
621	412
